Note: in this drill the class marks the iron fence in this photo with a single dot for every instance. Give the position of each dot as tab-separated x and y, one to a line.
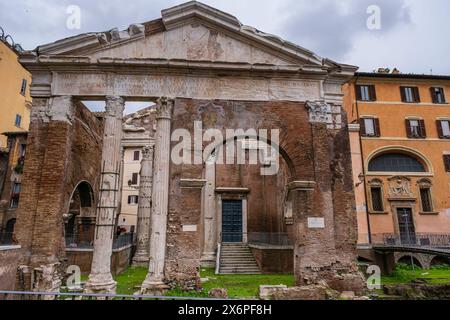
268	238
120	241
416	240
257	238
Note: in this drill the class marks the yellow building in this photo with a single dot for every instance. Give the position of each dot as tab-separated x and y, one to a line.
15	100
400	138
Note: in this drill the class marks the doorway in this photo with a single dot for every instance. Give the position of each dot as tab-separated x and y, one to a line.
406	226
232	222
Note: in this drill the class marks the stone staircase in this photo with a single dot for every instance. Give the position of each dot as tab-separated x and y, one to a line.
237	258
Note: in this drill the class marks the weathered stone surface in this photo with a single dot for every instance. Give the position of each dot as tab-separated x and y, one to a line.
419	291
218	293
320	291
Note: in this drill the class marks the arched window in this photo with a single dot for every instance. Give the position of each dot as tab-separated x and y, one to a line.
396	162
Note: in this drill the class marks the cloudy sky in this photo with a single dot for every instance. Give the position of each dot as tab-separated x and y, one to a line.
413	34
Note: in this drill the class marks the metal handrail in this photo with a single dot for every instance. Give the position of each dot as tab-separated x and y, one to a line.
412	240
219	252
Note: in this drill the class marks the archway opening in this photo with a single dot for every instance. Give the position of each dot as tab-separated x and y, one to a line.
79	221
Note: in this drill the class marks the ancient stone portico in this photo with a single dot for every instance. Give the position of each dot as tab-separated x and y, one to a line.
205	70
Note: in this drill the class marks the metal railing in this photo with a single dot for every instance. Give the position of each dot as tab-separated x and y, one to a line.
267	238
257	238
19	295
414	240
121	241
7	239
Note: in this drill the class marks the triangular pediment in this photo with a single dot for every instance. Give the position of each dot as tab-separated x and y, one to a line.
193	32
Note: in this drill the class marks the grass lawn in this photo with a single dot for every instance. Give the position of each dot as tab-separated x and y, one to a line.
405	274
238	286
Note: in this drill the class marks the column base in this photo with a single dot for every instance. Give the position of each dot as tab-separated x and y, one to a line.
208	260
154	288
140	261
100	284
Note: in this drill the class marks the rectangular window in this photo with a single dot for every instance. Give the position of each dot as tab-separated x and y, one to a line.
18	121
377	199
23	89
437	95
443	127
137	156
425	197
134	179
366	93
410	94
14	203
16	188
133	199
370	127
447	162
416	129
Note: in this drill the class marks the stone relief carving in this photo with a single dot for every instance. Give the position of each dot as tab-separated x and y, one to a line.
400	187
319	112
55	109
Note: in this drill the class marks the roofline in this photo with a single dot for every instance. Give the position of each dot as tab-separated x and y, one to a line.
402	76
15	133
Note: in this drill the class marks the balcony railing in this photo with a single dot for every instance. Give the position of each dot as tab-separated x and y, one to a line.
415	240
121	241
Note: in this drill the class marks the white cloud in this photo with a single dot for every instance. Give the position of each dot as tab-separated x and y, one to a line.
413	35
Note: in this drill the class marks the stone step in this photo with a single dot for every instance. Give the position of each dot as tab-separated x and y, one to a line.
237	260
241	264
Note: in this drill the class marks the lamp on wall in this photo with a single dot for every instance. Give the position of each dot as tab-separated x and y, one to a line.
361	178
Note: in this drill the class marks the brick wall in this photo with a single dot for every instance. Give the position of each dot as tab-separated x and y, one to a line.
60	154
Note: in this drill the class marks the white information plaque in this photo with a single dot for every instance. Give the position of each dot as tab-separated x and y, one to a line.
190	228
316	223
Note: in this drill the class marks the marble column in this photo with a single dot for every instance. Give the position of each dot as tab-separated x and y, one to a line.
100	279
209	215
154	283
141	257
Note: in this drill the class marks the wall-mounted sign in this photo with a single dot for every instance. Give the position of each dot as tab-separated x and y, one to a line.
190	228
316	223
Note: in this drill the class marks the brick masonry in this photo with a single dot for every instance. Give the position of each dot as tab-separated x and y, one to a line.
60	154
311	152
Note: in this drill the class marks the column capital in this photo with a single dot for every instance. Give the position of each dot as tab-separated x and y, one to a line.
164	108
115	106
147	153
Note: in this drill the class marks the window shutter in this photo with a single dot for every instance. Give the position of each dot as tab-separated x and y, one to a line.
373	93
416	94
433	95
358	93
443	95
129	199
377	127
362	125
422	128
408	129
403	94
439	129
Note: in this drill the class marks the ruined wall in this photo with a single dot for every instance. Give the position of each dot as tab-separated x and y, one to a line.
9	258
63	150
291	118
